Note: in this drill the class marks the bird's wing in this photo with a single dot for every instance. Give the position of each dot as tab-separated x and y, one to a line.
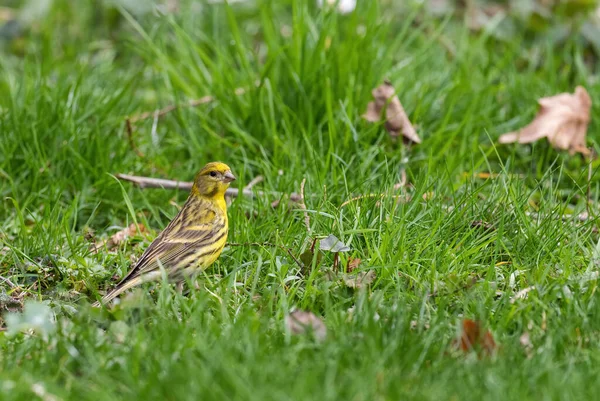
194	226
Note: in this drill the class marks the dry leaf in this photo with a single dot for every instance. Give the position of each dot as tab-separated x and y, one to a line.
472	337
563	119
360	280
353	263
396	120
301	322
119	237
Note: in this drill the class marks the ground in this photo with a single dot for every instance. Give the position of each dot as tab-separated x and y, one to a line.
456	227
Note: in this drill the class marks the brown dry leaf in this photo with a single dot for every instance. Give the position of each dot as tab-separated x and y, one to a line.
353	263
301	322
563	119
360	280
396	120
119	237
472	337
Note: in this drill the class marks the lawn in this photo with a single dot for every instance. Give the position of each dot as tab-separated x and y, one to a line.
456	227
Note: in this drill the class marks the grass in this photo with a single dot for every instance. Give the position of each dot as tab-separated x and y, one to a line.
69	83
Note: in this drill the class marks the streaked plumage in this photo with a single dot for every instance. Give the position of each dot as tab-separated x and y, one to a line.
193	240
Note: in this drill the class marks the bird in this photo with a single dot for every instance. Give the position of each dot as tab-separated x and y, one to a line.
192	241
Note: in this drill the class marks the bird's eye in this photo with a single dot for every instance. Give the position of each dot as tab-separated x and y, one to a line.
213	174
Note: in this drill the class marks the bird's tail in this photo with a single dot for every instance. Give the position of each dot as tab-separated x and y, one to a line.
122	287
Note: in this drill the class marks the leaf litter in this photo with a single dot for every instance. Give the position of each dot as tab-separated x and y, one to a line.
353	264
474	338
563	119
387	105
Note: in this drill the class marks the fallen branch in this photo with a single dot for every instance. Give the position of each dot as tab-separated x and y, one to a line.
148	182
256	180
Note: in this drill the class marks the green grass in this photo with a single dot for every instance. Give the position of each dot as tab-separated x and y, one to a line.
73	77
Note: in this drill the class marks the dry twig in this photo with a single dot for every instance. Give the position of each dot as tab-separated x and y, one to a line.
256	180
148	182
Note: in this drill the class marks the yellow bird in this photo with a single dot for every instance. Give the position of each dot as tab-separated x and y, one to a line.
193	240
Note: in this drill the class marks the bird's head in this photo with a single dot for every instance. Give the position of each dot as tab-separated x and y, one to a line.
213	180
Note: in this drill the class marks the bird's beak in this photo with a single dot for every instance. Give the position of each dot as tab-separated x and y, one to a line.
228	177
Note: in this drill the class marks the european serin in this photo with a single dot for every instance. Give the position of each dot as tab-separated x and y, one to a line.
193	240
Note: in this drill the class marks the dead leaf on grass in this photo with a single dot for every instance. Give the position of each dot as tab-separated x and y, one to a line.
473	337
353	263
396	120
360	280
119	237
302	322
563	119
